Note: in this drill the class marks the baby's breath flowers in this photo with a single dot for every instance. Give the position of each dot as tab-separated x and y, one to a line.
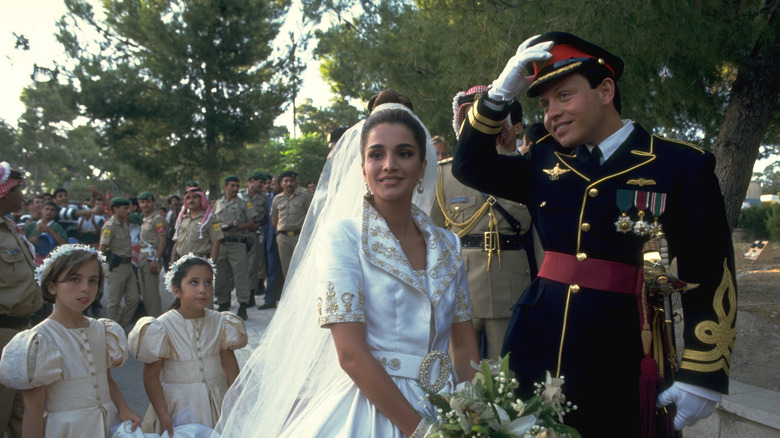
488	407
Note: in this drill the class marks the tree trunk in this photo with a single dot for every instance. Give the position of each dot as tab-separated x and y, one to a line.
754	95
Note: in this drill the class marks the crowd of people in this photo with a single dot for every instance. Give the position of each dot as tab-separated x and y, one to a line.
550	244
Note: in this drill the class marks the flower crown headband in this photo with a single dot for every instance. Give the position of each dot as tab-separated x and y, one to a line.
64	250
175	268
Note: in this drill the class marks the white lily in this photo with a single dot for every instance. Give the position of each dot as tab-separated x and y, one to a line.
517	427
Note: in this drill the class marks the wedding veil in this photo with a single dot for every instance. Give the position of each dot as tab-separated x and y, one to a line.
296	362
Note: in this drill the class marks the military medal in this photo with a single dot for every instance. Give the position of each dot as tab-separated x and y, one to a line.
641	199
625	200
658	205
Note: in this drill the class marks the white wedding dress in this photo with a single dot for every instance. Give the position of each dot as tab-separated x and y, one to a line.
365	277
348	267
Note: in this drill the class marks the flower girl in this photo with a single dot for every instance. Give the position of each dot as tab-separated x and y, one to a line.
61	365
187	352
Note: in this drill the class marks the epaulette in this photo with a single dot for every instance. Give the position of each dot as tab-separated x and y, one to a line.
445	161
684	143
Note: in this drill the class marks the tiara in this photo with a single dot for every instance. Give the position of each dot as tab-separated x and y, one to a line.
64	250
175	268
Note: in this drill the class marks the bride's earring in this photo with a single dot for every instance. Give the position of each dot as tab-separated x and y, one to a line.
368	194
419	186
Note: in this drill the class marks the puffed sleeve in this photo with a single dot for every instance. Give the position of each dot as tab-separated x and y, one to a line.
148	341
463	310
116	343
233	332
30	360
339	277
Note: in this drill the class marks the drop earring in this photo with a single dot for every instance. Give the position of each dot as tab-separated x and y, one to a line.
368	194
419	186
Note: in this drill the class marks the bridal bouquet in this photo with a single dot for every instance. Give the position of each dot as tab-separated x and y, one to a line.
488	407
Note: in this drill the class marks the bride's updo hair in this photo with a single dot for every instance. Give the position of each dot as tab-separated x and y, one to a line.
396	117
389	96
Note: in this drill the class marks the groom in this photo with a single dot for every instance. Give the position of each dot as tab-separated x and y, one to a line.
597	188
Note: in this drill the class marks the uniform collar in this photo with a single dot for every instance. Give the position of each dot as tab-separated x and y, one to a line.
611	143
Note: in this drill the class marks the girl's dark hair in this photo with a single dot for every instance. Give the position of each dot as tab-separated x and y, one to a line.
398	117
182	271
67	265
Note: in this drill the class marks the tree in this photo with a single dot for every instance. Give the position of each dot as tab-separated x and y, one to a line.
311	119
770	179
305	155
178	88
49	145
698	71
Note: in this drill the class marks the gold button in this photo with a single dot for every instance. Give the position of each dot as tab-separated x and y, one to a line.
593	193
574	288
581	256
585	226
543	204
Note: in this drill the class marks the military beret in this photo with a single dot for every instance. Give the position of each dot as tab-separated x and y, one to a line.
257	175
191	183
145	196
231	178
570	54
336	134
118	201
287	173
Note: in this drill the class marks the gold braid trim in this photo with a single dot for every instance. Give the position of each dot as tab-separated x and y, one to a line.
720	334
492	240
449	221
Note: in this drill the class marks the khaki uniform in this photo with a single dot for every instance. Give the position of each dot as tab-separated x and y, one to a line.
290	211
20	297
496	279
257	254
153	229
122	282
190	239
232	264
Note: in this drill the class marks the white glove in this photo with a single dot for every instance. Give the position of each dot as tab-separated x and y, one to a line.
512	81
691	407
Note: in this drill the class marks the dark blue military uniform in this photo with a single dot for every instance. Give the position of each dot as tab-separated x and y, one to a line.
592	336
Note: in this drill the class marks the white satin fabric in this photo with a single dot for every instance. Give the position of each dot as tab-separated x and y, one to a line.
293	384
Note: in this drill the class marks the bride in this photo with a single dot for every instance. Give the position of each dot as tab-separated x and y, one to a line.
377	298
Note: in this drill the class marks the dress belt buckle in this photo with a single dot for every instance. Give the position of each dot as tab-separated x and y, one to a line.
491	241
290	233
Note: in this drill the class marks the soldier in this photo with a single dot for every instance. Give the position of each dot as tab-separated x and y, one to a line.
495	235
599	189
122	283
288	210
20	296
256	196
152	242
237	219
442	148
197	230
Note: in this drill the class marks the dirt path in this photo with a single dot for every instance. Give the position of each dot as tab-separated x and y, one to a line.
756	356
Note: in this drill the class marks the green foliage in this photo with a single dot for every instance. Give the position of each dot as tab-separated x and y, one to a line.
311	119
681	56
179	87
773	223
754	220
305	155
770	179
